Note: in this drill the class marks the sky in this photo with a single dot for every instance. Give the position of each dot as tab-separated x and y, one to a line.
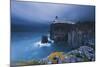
34	13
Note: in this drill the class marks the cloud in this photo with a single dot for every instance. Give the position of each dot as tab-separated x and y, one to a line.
46	12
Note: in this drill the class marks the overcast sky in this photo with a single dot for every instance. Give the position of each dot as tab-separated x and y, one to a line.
46	12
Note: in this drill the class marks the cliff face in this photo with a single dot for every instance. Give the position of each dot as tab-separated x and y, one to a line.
74	35
59	31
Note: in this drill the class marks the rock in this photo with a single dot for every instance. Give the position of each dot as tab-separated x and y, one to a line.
82	54
85	53
44	39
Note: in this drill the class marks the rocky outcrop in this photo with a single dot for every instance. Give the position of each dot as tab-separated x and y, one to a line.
82	54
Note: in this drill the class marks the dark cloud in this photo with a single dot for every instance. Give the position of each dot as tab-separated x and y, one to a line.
45	12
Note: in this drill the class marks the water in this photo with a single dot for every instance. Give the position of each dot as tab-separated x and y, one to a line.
27	46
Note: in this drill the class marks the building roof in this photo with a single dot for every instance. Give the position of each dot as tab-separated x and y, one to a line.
63	21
